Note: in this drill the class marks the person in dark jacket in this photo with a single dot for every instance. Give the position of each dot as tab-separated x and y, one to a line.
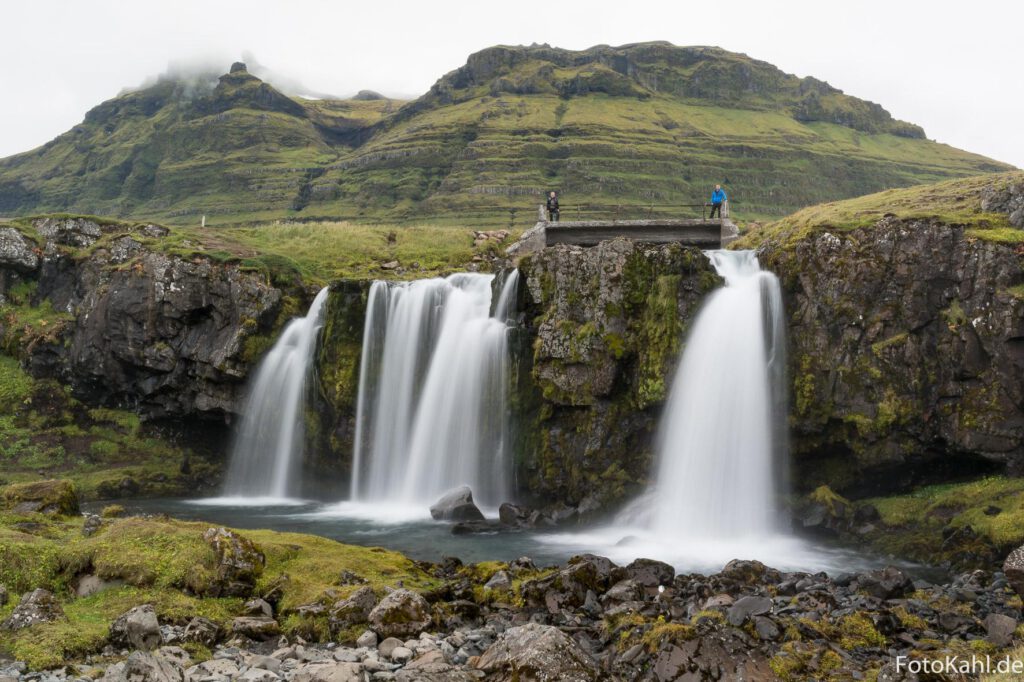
717	199
553	207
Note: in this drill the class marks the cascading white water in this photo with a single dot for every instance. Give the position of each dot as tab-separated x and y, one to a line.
720	438
270	441
431	412
722	446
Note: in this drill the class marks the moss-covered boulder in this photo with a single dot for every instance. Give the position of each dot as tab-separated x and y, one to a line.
56	497
403	613
239	563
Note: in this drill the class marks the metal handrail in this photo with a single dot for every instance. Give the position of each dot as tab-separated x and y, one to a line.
635	211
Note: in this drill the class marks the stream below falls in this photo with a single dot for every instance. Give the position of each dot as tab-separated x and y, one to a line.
411	531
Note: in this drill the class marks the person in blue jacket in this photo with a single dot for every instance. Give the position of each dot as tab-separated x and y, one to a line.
717	199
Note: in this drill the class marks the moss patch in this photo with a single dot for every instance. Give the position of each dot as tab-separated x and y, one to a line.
954	202
167	563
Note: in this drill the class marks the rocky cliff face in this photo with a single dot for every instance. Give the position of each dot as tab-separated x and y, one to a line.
331	419
603	328
124	323
907	348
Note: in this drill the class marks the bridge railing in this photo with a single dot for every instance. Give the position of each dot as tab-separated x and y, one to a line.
630	211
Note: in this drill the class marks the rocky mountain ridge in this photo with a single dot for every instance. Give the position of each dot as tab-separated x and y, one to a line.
635	126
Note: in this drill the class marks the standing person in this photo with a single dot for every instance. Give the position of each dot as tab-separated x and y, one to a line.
717	199
553	207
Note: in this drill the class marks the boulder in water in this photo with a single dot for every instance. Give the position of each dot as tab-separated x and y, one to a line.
456	505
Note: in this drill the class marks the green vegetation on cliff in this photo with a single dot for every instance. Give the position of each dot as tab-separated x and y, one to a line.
45	432
634	126
953	202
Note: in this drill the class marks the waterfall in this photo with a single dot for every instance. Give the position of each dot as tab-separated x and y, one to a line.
721	448
431	410
270	442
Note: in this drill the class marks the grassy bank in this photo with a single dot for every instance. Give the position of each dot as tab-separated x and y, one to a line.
168	564
954	202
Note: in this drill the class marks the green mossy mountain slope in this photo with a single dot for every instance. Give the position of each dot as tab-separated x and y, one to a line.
638	125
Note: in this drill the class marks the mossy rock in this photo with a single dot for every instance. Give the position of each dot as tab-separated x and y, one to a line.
48	497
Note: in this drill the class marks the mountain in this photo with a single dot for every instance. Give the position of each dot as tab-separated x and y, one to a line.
637	125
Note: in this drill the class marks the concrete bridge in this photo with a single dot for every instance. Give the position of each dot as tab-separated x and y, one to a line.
706	233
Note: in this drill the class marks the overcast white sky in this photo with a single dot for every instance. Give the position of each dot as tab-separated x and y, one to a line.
956	68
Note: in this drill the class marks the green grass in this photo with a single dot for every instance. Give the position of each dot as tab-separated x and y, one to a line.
954	202
321	252
966	502
15	384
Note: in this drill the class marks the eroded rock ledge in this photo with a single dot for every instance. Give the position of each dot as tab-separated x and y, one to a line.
130	323
907	345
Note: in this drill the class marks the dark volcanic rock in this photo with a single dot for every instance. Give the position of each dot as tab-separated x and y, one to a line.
909	350
885	583
164	334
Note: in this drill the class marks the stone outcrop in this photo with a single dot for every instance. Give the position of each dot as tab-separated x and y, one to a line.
137	629
44	497
541	653
37	606
1005	197
907	344
17	252
170	336
603	331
